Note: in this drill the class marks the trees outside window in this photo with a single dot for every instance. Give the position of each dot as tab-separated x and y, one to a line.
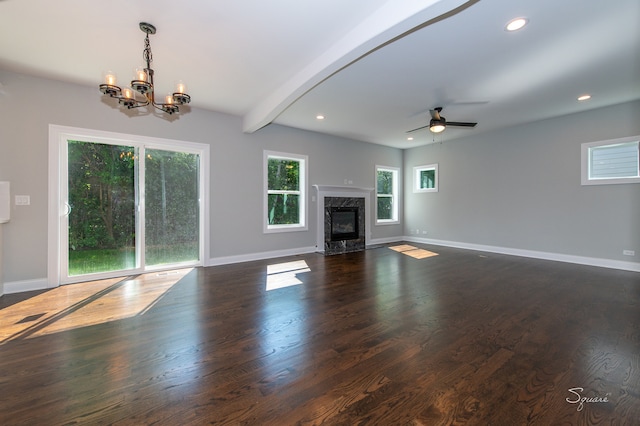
285	194
425	178
386	195
102	207
104	200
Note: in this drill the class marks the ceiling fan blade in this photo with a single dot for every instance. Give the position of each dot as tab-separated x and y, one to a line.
461	124
419	128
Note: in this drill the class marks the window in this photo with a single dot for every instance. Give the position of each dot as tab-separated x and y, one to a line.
610	162
386	195
425	178
285	192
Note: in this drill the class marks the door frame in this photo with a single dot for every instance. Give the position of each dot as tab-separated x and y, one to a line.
58	137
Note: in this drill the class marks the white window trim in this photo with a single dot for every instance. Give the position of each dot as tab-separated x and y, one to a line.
584	163
395	195
303	226
416	178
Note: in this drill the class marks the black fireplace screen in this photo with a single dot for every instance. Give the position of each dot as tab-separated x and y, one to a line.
344	223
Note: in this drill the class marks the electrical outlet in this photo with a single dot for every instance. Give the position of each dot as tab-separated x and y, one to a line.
629	252
23	200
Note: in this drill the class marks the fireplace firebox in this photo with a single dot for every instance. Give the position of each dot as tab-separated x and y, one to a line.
344	223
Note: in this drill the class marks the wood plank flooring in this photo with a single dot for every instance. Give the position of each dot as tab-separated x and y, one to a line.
377	337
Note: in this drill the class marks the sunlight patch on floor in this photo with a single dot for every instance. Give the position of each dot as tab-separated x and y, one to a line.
85	304
415	252
281	275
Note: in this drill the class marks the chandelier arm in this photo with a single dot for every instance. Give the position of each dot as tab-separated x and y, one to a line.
168	108
130	103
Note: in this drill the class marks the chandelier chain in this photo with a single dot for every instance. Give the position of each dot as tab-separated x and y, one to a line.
146	53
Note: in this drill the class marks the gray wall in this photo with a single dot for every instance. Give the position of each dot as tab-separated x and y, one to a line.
520	188
516	188
30	104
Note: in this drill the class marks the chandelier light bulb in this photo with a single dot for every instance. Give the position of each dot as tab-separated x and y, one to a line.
110	78
181	87
141	74
127	93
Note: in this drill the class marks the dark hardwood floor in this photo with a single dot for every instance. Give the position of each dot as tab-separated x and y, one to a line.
374	337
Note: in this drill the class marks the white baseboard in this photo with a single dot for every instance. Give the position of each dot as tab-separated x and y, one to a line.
558	257
43	284
377	241
224	260
26	285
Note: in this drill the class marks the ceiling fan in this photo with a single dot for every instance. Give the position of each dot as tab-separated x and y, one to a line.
438	122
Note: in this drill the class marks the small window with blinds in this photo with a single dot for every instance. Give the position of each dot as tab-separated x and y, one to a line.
610	162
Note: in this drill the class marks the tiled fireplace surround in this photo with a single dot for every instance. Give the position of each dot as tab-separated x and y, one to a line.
342	196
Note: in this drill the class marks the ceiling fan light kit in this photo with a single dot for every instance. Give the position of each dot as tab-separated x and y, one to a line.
437	126
143	84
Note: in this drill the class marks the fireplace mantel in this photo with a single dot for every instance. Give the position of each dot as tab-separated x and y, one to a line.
340	191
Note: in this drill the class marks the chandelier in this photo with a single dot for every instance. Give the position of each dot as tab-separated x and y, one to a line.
143	84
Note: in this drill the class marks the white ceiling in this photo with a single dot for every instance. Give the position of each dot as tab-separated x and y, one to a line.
373	67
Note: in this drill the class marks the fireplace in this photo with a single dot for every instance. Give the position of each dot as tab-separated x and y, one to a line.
344	223
343	216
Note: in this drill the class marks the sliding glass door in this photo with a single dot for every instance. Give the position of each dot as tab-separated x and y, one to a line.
172	220
102	214
126	207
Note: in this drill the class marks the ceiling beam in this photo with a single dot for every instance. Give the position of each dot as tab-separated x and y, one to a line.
390	22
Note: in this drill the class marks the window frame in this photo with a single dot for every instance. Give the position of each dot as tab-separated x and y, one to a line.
417	181
585	163
395	200
303	161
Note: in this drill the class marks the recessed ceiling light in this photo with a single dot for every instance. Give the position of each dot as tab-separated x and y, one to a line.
516	24
584	97
319	117
410	138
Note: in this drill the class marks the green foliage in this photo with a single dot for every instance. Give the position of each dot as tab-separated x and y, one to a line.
90	261
171	200
427	178
284	209
385	208
102	185
284	174
101	195
385	182
283	179
384	189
